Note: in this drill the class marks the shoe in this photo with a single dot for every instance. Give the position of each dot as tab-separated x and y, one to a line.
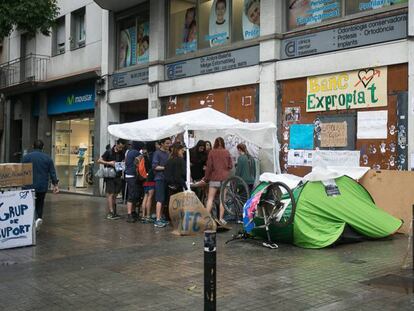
159	224
149	220
223	222
130	218
38	223
164	220
112	216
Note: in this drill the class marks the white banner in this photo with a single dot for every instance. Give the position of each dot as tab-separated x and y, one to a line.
326	158
16	219
372	124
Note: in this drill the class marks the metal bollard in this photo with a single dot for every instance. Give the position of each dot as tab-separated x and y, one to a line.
209	270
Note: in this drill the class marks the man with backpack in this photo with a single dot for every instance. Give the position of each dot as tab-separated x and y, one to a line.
134	185
111	158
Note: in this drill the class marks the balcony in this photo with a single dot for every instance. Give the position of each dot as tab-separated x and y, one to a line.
23	71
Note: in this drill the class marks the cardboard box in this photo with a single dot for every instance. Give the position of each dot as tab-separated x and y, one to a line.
15	174
393	192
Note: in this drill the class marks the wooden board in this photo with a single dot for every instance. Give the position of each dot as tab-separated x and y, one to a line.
393	192
15	174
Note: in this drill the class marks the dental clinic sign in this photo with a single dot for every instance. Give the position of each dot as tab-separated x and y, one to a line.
16	219
365	88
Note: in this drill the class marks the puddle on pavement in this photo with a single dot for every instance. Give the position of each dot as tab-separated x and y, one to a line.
393	282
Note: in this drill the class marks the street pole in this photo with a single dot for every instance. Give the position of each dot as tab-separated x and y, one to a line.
209	270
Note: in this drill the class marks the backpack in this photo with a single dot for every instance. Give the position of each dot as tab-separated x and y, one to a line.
142	173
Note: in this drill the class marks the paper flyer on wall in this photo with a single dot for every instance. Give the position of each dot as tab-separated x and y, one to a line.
300	157
372	124
324	158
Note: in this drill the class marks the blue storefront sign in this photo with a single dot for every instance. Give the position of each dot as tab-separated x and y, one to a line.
71	99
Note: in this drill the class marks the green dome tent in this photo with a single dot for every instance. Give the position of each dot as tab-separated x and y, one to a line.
320	219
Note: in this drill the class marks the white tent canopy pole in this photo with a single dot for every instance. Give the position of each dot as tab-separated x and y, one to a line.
205	121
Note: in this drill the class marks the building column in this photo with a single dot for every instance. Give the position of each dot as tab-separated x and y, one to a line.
156	55
44	126
410	135
271	12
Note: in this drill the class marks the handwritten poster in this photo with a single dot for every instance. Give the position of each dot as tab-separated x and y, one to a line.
324	158
16	219
334	134
301	136
372	124
364	88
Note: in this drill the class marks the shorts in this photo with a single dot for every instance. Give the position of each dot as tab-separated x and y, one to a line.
215	184
132	190
113	185
160	191
148	188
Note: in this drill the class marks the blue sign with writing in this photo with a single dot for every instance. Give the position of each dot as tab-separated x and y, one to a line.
71	99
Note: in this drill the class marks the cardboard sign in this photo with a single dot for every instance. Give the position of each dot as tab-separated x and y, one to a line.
15	174
365	88
334	134
16	219
188	215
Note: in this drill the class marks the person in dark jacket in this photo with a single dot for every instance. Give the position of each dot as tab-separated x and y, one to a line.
148	183
198	159
43	168
245	167
175	169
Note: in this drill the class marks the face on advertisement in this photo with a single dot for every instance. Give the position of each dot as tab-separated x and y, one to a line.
297	8
189	16
220	11
253	12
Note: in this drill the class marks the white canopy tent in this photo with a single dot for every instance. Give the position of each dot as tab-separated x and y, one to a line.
206	123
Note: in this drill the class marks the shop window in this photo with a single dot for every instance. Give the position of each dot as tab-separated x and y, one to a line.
309	12
356	6
78	34
183	27
59	35
133	39
245	19
203	24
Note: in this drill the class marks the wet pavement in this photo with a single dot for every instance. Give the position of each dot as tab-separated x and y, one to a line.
84	262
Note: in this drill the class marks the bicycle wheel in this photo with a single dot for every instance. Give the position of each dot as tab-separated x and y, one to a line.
234	193
276	201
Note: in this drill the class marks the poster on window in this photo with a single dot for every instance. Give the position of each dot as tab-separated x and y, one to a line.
355	6
219	31
127	48
308	12
251	19
189	37
143	43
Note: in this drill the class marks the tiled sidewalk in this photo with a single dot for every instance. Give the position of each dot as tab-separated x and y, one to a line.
83	262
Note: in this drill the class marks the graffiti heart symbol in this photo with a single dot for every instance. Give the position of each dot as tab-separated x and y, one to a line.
366	75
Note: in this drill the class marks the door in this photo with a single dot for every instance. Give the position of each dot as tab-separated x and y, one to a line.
62	152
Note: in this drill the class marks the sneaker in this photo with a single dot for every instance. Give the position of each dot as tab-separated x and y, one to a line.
38	223
112	216
159	224
164	220
149	220
223	222
130	218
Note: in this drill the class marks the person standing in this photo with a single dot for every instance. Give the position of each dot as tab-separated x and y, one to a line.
175	170
246	167
134	189
159	161
43	168
113	185
218	168
149	183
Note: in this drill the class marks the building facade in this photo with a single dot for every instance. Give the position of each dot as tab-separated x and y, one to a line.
49	86
334	75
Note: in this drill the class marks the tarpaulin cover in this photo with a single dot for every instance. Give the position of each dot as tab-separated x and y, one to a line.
320	219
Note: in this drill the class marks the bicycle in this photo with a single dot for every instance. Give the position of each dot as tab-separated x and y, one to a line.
271	205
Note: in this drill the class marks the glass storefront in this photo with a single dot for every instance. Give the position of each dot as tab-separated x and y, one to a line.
73	153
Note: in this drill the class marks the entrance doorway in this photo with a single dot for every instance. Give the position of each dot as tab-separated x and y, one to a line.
73	153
